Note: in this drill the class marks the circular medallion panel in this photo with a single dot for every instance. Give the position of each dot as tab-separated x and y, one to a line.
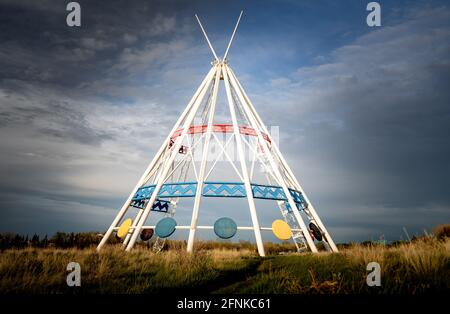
225	228
124	228
281	230
165	227
315	231
146	234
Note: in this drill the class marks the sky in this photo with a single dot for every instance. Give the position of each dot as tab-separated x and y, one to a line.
363	112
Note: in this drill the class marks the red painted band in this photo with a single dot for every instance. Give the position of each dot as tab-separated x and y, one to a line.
220	128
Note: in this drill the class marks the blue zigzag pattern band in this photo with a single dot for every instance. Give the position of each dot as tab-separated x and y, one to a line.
158	206
218	189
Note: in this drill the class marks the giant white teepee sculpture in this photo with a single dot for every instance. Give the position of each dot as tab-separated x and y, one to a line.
174	173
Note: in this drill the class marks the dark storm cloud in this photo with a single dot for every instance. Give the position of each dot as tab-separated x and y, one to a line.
364	113
381	108
375	121
79	102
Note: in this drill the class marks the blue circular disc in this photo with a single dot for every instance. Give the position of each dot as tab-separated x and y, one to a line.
165	227
225	228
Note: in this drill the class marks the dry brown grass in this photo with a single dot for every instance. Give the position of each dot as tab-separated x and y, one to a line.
418	267
442	231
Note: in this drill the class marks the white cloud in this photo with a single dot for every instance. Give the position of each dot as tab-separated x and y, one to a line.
137	59
280	81
129	38
161	25
98	44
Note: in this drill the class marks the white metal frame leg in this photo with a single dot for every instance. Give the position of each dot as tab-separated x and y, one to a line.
286	166
273	165
127	238
201	174
247	184
125	206
177	145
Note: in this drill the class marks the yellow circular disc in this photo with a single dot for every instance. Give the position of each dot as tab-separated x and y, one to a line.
124	228
281	229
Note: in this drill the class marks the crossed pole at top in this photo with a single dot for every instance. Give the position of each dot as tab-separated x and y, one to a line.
229	43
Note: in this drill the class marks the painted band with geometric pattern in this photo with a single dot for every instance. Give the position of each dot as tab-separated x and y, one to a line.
220	128
219	189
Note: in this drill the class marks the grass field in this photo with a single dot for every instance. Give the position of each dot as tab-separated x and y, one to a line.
419	267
